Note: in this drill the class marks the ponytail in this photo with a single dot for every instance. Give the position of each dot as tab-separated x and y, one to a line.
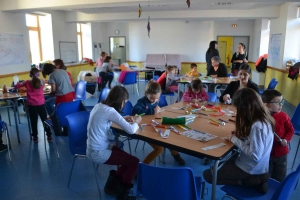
35	82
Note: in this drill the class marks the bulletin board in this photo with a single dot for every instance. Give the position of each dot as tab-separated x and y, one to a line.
12	49
274	50
68	52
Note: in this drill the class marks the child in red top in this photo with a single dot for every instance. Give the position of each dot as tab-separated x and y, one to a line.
284	129
195	93
162	80
35	102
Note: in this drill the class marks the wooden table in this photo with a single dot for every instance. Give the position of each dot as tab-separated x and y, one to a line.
187	145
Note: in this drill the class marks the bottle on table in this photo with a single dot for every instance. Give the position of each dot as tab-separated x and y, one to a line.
4	88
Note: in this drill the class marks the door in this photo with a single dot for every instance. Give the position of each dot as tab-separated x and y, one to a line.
222	46
241	39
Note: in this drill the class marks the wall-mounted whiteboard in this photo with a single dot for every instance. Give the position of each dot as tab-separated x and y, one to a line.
68	52
274	50
12	49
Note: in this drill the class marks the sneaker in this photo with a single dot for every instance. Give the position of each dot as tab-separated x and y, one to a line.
3	147
178	159
112	183
124	192
35	139
49	138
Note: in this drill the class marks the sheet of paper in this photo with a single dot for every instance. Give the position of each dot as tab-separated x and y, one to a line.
199	135
214	146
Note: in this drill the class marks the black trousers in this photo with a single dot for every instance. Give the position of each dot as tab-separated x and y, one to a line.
106	77
34	112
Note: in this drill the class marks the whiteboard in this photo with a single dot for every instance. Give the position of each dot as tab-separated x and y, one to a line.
274	50
12	49
68	52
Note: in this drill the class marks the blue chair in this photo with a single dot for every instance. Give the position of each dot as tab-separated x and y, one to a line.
212	97
296	124
162	101
102	96
171	95
77	125
80	91
127	110
157	183
130	79
155	77
271	86
276	190
3	129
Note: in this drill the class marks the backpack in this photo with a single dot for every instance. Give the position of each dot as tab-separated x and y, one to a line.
294	71
262	66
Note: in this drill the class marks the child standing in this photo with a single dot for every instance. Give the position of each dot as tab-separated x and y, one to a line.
149	105
101	151
284	129
36	102
59	64
195	93
254	137
193	72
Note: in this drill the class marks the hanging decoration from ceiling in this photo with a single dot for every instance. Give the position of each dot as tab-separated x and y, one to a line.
140	10
188	3
148	26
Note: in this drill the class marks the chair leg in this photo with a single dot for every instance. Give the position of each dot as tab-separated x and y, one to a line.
129	146
96	176
71	170
7	142
9	117
136	145
296	154
144	145
137	89
55	146
53	137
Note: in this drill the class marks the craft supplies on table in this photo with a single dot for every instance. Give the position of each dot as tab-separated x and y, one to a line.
199	135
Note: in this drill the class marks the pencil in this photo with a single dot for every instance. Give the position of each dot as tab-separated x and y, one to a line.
214	124
142	114
214	121
223	120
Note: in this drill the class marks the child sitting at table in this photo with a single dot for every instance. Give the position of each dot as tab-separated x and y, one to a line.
284	129
101	151
193	72
195	92
254	137
35	102
148	105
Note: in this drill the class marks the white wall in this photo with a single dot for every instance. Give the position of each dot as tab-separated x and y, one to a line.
244	28
190	39
99	36
256	39
15	23
62	31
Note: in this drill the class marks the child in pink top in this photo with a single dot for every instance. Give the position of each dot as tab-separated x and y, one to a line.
35	102
195	93
100	61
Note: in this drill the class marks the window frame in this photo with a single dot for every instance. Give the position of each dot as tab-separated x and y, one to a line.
79	33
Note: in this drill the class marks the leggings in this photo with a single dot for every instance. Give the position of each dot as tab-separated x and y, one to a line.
157	150
106	77
34	112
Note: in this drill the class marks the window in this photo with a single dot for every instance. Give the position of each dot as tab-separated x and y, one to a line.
79	41
269	24
298	12
32	22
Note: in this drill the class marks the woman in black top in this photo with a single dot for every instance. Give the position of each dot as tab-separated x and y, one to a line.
211	52
243	82
218	69
239	58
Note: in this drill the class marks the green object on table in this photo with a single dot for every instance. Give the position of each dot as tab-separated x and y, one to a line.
167	120
142	114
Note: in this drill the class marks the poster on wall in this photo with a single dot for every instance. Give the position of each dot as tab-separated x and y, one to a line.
274	50
12	49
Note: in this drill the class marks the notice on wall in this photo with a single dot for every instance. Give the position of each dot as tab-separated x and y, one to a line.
274	50
12	49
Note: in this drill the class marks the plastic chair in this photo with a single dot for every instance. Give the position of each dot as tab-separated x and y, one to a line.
212	97
171	95
296	124
271	86
162	101
80	91
77	125
3	129
155	77
276	190
102	96
157	183
130	79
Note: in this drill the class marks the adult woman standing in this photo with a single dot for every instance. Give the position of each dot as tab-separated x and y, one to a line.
99	62
243	82
238	58
211	52
218	69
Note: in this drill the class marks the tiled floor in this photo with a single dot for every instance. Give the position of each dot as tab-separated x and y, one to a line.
38	174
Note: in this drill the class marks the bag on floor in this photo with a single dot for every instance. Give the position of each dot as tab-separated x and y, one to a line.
294	71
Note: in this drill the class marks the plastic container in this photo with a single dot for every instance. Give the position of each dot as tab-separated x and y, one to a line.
16	79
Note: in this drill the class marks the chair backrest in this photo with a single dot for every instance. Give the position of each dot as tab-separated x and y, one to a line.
77	129
271	81
272	85
157	183
228	75
212	97
296	120
103	94
287	186
155	77
64	109
80	90
162	101
127	110
130	78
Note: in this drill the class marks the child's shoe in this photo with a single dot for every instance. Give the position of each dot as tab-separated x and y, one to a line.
35	139
49	138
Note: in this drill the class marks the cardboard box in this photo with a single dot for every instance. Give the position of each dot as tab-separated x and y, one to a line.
91	79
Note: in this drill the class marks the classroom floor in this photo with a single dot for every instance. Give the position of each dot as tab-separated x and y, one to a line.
37	174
